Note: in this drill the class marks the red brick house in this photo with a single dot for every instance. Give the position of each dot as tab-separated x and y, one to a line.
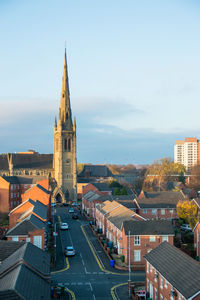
37	192
89	201
144	236
196	231
115	221
13	187
158	205
171	274
31	229
102	210
97	186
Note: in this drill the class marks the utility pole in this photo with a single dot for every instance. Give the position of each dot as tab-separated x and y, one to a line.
129	266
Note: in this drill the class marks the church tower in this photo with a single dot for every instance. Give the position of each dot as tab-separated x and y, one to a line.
64	160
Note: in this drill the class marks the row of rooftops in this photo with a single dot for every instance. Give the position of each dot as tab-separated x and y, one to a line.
168	199
24	271
133	223
178	268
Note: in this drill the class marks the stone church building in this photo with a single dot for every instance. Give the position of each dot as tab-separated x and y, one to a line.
61	166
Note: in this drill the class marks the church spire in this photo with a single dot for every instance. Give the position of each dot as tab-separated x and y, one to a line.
65	107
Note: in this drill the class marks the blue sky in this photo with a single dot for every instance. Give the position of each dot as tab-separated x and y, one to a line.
134	72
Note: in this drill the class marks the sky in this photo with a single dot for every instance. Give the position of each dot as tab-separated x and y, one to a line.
134	76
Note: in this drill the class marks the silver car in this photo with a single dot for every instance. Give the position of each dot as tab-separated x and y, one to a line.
69	251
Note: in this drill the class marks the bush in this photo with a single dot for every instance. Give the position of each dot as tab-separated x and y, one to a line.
122	258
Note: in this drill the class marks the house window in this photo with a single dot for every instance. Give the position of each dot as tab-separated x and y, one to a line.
154	211
148	285
166	283
155	290
161	297
11	186
165	238
137	255
151	268
161	282
152	238
15	238
147	267
11	195
171	211
162	211
144	211
28	240
136	240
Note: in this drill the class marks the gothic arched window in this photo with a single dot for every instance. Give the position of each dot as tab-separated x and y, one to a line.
69	144
65	144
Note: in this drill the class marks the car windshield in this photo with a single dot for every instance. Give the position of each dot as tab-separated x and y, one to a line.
64	224
70	248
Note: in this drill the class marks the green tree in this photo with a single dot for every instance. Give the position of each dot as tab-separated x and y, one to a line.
162	171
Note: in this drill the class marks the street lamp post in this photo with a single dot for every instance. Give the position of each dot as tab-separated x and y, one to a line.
129	266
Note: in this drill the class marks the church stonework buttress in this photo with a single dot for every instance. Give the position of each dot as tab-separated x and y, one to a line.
64	161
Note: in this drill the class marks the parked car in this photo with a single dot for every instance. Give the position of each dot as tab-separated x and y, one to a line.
53	204
185	227
71	210
75	216
69	251
64	226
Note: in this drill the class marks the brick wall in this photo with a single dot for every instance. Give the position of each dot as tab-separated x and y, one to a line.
146	244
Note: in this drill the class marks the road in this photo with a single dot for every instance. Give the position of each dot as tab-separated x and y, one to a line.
85	273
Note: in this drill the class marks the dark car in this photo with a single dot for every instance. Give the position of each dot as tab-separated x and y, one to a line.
75	216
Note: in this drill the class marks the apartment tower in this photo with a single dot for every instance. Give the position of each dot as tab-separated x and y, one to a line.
187	152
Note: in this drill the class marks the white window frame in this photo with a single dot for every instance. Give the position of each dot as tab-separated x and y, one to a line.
152	238
136	240
137	255
165	238
161	282
147	267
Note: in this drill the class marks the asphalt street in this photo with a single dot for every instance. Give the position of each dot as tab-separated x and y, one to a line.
88	274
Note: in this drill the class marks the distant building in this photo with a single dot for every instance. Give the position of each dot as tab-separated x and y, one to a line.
91	173
187	152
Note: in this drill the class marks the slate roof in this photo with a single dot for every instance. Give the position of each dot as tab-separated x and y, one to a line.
23	179
121	214
31	255
90	196
27	161
107	206
148	227
40	209
8	247
95	171
180	270
31	223
25	283
160	199
101	186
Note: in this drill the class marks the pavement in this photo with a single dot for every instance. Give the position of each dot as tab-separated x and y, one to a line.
119	291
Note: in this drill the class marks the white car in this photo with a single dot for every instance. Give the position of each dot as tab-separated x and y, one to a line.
64	226
186	227
71	210
69	251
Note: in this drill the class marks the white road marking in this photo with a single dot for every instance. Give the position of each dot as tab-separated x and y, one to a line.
94	297
91	286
